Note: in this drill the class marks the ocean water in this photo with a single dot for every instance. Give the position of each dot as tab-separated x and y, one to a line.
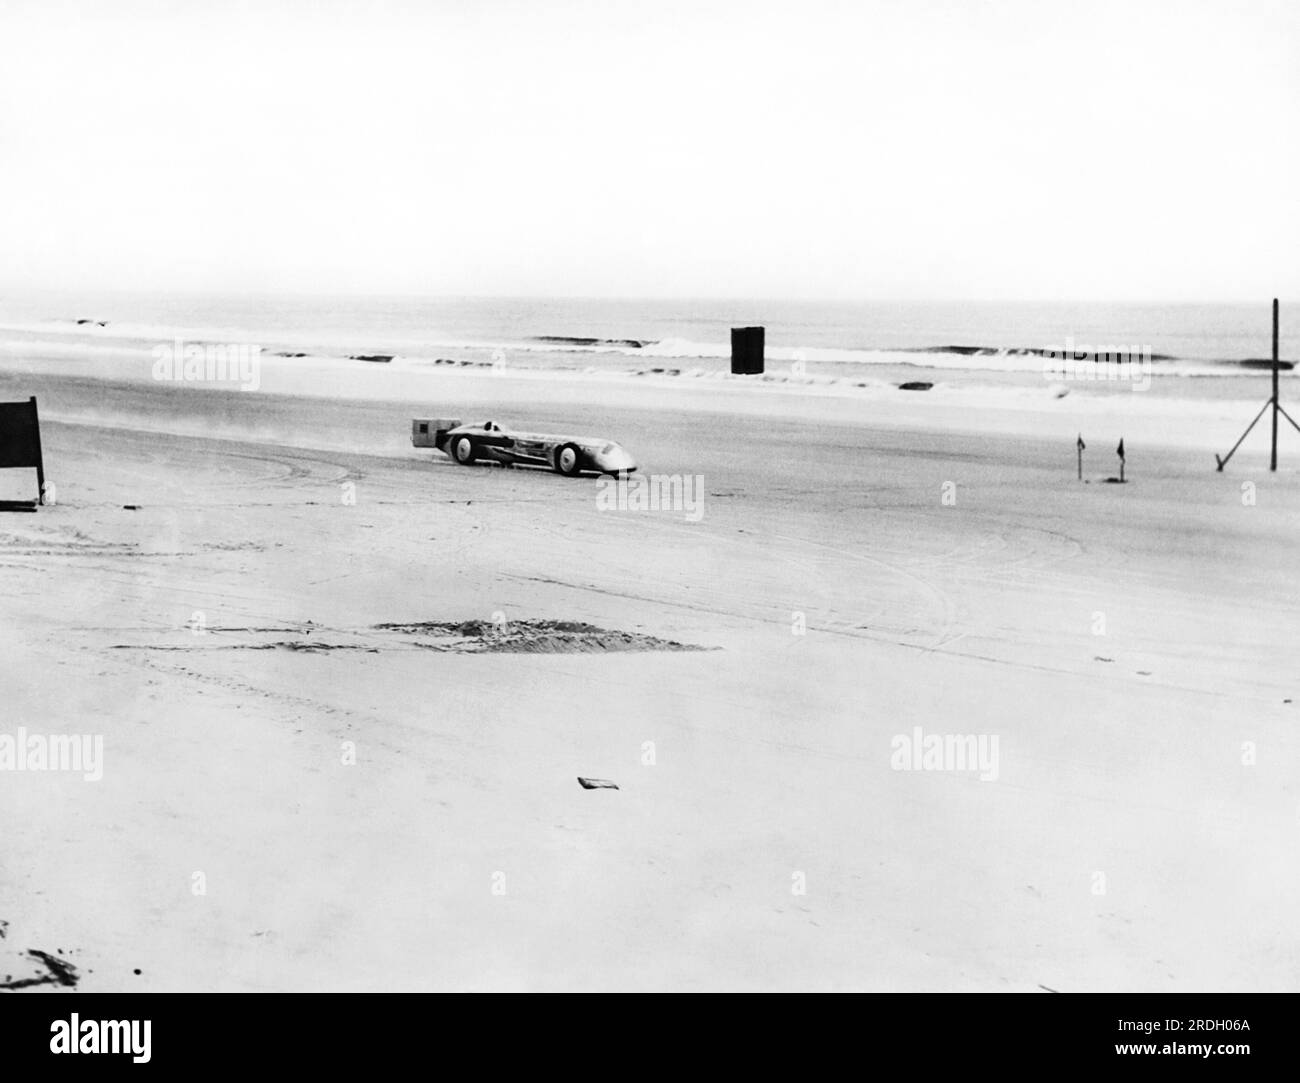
667	336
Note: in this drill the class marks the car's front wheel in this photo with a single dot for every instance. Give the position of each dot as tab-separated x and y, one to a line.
567	461
462	450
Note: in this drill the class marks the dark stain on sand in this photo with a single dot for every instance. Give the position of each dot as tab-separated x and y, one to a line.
461	637
57	972
530	637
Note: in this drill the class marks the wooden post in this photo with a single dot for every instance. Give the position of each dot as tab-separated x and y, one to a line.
1273	460
40	455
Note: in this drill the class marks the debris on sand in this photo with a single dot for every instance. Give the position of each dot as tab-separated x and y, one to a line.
297	646
310	648
596	783
530	637
915	385
456	637
57	972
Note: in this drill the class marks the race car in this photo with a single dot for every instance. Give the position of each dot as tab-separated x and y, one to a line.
490	441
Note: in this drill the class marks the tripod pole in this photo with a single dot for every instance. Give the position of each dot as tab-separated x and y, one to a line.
1273	402
1224	461
1273	460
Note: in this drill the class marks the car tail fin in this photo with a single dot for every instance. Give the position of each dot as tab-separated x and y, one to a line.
432	431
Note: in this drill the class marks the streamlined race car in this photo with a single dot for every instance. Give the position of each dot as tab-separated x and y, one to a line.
492	442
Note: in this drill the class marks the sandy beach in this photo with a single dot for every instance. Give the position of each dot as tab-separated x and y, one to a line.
294	796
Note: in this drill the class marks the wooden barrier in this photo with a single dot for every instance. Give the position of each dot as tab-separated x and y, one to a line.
20	440
746	351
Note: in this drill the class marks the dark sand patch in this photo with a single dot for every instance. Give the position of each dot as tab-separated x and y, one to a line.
459	637
57	972
530	637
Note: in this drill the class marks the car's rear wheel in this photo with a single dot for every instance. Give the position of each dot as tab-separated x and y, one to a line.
462	450
567	461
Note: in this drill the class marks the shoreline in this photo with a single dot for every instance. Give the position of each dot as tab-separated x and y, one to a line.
1159	417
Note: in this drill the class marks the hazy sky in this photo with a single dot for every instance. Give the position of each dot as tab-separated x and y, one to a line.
923	149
